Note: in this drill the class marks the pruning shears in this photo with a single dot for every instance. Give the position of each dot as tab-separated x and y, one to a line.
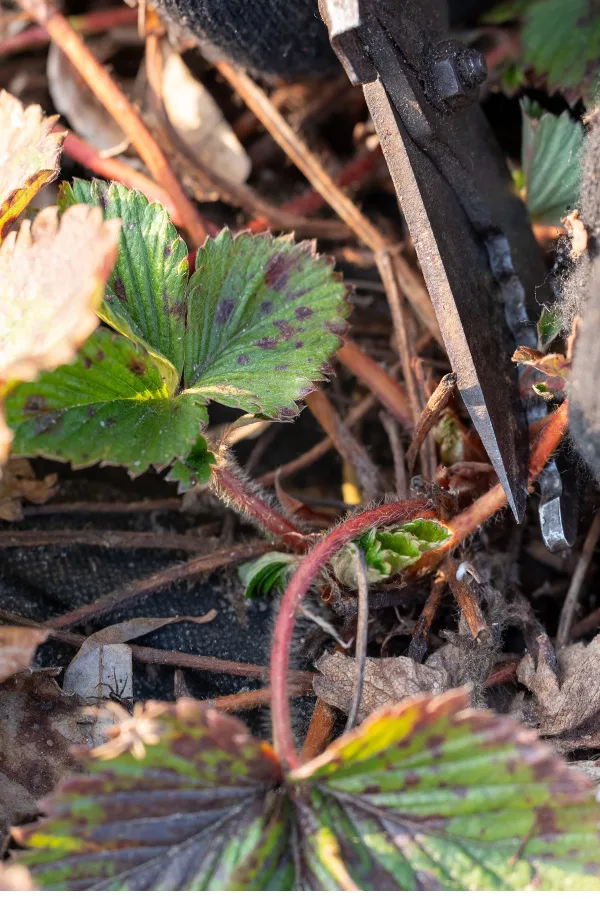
472	235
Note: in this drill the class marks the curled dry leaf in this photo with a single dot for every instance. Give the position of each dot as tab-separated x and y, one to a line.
566	693
577	232
52	278
199	122
29	154
553	364
387	681
17	647
19	483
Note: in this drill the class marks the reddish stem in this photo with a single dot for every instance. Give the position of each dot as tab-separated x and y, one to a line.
117	170
258	510
91	23
319	556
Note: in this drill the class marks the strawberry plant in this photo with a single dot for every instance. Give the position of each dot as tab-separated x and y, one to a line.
252	327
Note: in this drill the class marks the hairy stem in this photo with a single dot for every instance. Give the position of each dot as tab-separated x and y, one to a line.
252	505
319	556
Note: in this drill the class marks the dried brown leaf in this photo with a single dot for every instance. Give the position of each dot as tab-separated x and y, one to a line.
52	279
553	364
29	154
566	693
19	483
34	754
17	648
387	681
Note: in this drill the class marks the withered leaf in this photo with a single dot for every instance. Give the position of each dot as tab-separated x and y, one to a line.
29	154
387	681
553	364
34	754
566	693
17	648
19	483
52	279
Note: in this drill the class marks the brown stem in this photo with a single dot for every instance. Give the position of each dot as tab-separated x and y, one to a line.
120	108
300	583
391	429
124	595
238	493
435	405
466	599
389	392
153	656
252	699
319	731
131	540
116	170
91	23
418	642
395	299
85	508
309	164
583	563
486	506
344	442
311	456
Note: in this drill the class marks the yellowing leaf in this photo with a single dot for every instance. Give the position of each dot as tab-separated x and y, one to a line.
29	154
52	279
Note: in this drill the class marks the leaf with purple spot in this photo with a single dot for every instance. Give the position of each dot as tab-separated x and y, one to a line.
264	316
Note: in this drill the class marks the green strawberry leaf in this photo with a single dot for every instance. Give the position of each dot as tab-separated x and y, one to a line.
110	405
145	297
561	40
191	812
264	316
549	326
425	795
388	552
195	469
551	157
429	795
267	573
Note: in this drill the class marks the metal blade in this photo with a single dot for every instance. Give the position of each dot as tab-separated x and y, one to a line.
464	296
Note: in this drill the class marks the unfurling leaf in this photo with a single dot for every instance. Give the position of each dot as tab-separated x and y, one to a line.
549	327
51	282
551	152
267	573
422	796
29	154
110	405
553	364
195	469
17	648
388	552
